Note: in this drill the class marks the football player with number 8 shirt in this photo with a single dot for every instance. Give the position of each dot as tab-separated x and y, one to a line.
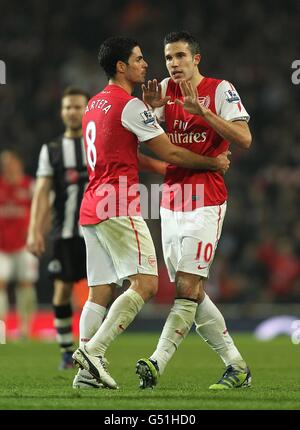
203	115
118	242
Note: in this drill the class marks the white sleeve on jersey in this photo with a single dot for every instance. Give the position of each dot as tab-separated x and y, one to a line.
228	103
160	112
44	166
141	121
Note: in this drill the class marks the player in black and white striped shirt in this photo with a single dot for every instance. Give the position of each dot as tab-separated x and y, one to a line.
62	168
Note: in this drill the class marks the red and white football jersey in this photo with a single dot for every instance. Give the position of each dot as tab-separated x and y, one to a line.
194	133
15	202
113	125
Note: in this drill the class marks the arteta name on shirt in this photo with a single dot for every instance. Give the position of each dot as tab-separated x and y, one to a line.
101	104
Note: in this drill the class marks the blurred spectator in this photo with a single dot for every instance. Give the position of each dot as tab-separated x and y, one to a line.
283	270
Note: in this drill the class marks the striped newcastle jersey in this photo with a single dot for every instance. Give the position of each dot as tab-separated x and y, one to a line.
64	160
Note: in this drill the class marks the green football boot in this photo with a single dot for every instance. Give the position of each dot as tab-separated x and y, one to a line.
148	372
233	378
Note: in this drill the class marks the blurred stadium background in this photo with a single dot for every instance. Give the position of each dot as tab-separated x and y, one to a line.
49	45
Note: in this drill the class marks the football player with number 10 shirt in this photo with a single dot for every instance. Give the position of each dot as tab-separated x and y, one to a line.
118	242
203	115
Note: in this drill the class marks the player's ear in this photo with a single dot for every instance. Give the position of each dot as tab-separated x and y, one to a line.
197	59
121	66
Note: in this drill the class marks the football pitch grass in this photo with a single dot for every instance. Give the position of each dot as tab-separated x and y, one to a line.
30	379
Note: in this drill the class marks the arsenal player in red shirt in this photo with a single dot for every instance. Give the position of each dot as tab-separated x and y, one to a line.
203	115
16	263
118	242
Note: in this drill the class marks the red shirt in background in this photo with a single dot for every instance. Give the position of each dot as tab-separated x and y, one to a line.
15	202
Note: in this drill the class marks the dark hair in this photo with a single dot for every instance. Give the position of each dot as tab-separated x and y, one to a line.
115	49
183	36
75	91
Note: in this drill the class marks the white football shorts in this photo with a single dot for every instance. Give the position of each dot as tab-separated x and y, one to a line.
190	239
117	248
20	266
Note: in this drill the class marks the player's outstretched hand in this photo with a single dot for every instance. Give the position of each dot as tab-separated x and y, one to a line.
152	94
223	162
190	101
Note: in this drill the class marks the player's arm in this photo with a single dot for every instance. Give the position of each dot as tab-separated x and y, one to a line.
39	216
137	118
181	157
237	132
149	164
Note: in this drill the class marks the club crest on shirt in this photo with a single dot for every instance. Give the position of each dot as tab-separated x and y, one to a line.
232	96
148	117
152	260
54	266
205	101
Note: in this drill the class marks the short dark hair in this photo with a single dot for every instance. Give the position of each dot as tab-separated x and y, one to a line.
115	49
75	91
183	36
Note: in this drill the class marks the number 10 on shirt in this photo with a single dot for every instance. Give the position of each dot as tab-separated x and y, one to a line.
208	250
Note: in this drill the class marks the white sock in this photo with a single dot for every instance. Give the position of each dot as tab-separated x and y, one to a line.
176	328
210	325
121	314
26	304
91	318
4	305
